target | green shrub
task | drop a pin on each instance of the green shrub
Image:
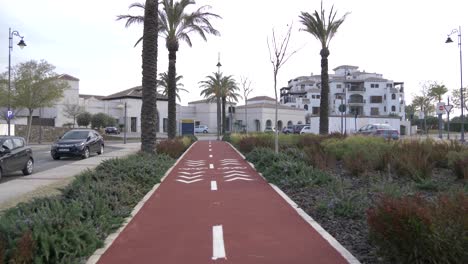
(171, 147)
(413, 159)
(413, 230)
(458, 161)
(248, 143)
(68, 228)
(286, 169)
(359, 153)
(227, 137)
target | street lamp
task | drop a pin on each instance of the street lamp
(124, 106)
(462, 102)
(218, 105)
(21, 44)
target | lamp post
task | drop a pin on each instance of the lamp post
(124, 106)
(462, 102)
(218, 105)
(21, 44)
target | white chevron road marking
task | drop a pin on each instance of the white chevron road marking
(236, 174)
(191, 173)
(233, 171)
(190, 177)
(239, 178)
(188, 182)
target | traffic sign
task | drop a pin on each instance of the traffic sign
(448, 108)
(342, 108)
(9, 114)
(440, 108)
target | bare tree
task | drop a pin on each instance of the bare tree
(72, 111)
(245, 82)
(278, 50)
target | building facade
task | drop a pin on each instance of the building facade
(362, 93)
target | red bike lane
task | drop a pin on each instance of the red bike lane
(213, 207)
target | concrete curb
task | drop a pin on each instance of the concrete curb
(111, 238)
(325, 235)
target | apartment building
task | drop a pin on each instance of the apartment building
(367, 94)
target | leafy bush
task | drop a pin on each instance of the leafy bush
(173, 147)
(359, 153)
(413, 230)
(458, 161)
(84, 119)
(286, 170)
(247, 144)
(413, 159)
(70, 227)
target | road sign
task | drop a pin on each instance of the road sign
(440, 108)
(448, 108)
(342, 108)
(10, 114)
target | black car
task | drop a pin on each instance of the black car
(297, 128)
(112, 130)
(78, 142)
(15, 155)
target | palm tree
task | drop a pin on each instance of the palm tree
(149, 80)
(175, 25)
(163, 81)
(228, 94)
(424, 105)
(436, 91)
(212, 91)
(324, 31)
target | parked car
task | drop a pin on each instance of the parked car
(288, 130)
(379, 130)
(297, 128)
(15, 156)
(269, 129)
(112, 130)
(78, 142)
(201, 129)
(306, 130)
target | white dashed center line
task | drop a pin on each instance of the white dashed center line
(211, 156)
(214, 186)
(211, 166)
(218, 243)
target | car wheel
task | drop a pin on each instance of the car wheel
(85, 153)
(101, 150)
(56, 157)
(29, 167)
(205, 131)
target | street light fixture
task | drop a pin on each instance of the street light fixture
(462, 102)
(21, 44)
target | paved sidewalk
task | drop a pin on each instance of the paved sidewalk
(214, 207)
(14, 189)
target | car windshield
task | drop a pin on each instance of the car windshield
(383, 126)
(76, 135)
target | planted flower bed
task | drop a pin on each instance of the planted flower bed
(386, 202)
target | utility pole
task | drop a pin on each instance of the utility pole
(218, 104)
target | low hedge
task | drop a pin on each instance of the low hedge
(68, 228)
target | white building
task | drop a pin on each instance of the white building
(367, 94)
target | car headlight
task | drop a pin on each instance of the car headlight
(80, 144)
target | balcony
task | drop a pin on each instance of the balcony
(356, 88)
(353, 101)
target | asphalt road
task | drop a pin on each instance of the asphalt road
(43, 161)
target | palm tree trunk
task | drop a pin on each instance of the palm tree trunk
(149, 65)
(323, 126)
(171, 94)
(223, 107)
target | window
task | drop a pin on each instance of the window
(338, 86)
(374, 111)
(393, 108)
(393, 96)
(318, 96)
(306, 107)
(19, 143)
(8, 144)
(165, 124)
(389, 85)
(385, 109)
(385, 97)
(315, 110)
(376, 99)
(374, 85)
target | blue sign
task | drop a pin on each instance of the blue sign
(10, 114)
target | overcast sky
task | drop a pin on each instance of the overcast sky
(403, 40)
